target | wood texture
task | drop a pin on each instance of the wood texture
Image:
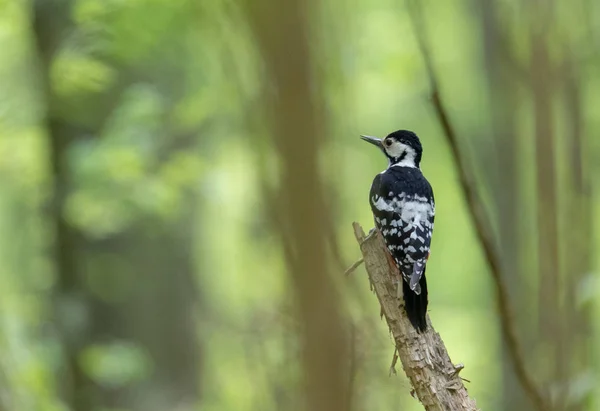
(424, 357)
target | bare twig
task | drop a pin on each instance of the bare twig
(394, 358)
(353, 267)
(424, 357)
(481, 221)
(458, 368)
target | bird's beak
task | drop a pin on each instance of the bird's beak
(373, 140)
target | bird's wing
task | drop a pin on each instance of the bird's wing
(404, 213)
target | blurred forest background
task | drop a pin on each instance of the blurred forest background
(179, 178)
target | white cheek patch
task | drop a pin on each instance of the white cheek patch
(396, 149)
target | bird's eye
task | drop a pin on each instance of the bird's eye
(388, 143)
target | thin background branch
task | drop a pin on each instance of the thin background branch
(480, 218)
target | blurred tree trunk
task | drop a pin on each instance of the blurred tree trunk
(578, 239)
(551, 304)
(50, 24)
(501, 82)
(70, 299)
(548, 252)
(562, 332)
(564, 322)
(157, 314)
(283, 34)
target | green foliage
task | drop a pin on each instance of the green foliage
(74, 74)
(116, 364)
(165, 100)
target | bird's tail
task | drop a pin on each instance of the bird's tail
(415, 304)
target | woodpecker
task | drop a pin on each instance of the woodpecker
(403, 206)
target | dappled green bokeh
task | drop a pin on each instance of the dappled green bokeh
(167, 173)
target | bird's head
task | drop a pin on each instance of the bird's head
(401, 147)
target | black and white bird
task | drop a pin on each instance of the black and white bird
(402, 202)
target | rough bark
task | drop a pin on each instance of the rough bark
(425, 360)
